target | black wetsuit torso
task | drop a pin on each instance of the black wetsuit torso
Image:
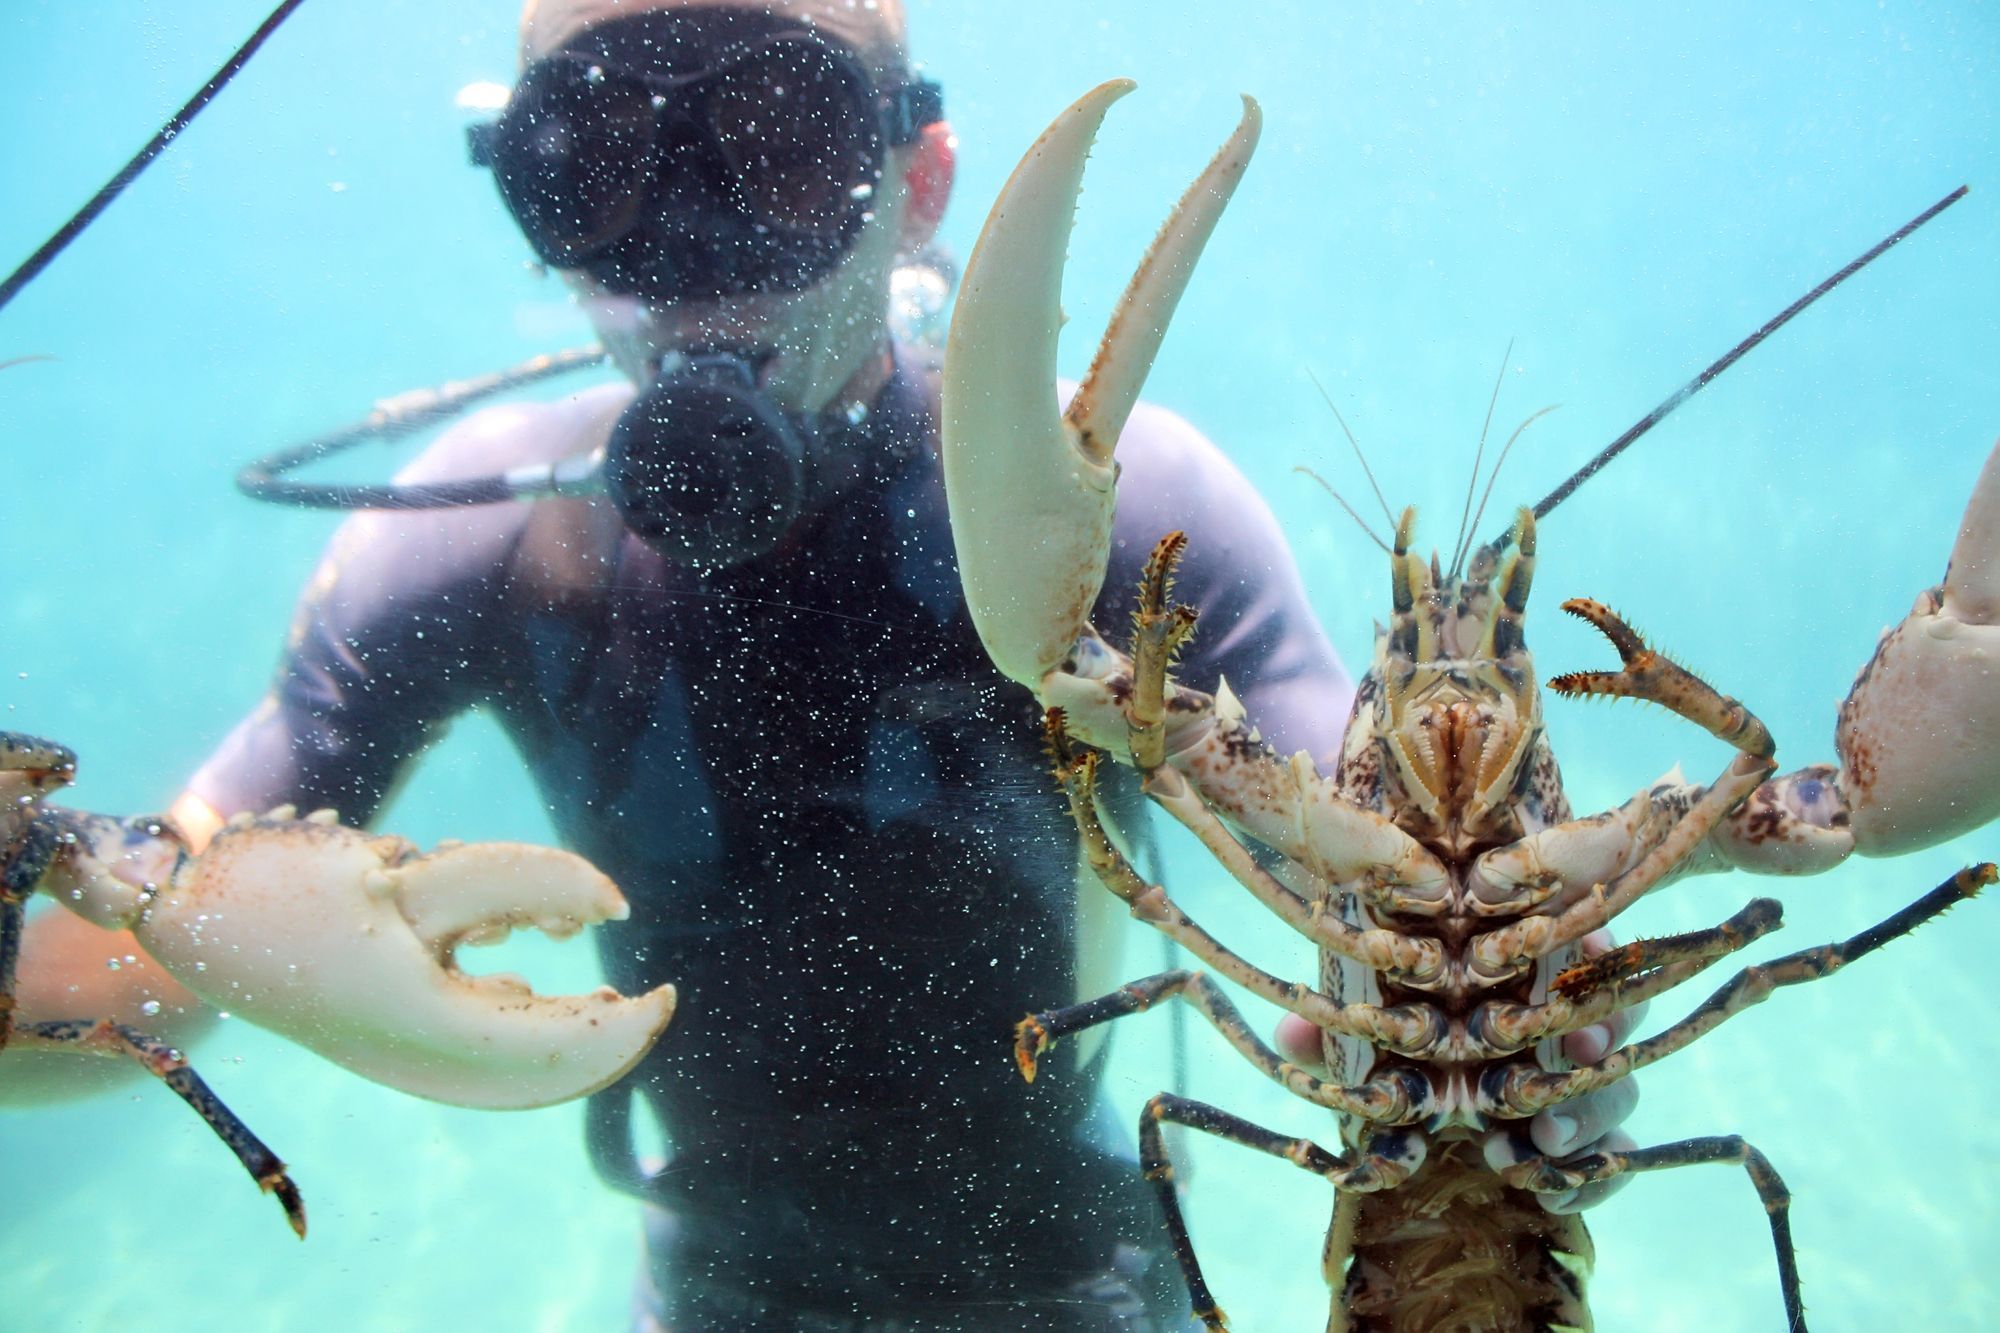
(840, 842)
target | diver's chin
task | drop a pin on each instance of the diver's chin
(761, 359)
(644, 342)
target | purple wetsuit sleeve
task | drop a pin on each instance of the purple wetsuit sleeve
(393, 635)
(1256, 627)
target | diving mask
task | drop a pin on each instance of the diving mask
(686, 168)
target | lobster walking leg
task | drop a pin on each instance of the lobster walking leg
(1545, 1177)
(1641, 957)
(1644, 675)
(1414, 960)
(1387, 1162)
(1149, 902)
(1394, 1098)
(166, 1064)
(1592, 991)
(1523, 1091)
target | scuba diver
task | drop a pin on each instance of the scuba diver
(744, 681)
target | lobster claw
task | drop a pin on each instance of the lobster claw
(1919, 734)
(1031, 489)
(343, 941)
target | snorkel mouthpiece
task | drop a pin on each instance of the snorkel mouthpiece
(705, 467)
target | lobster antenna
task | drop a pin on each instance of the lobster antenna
(1354, 444)
(1465, 526)
(1699, 382)
(156, 145)
(1497, 464)
(1343, 504)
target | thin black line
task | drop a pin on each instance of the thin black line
(84, 216)
(1688, 390)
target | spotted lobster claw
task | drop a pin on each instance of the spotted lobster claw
(1919, 734)
(343, 941)
(1031, 489)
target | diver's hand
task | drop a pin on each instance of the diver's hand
(1575, 1127)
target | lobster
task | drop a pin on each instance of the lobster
(343, 940)
(1439, 871)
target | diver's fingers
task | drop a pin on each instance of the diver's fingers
(1565, 1129)
(1298, 1041)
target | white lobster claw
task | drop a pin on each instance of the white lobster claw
(1031, 489)
(344, 942)
(1919, 735)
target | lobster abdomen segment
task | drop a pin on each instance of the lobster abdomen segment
(1453, 1250)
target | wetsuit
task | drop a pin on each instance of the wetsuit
(839, 840)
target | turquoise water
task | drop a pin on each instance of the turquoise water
(1624, 193)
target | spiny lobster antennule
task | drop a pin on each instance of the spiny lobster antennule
(1408, 583)
(1521, 573)
(1402, 597)
(1504, 633)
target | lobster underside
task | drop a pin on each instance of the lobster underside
(1453, 1248)
(1439, 871)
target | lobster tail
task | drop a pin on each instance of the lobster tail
(1455, 1251)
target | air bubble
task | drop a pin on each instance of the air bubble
(150, 1008)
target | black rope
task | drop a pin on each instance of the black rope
(1699, 382)
(84, 216)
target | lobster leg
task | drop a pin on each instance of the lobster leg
(1393, 1099)
(1390, 1159)
(1150, 903)
(1546, 1177)
(28, 860)
(1523, 1090)
(166, 1064)
(1592, 991)
(1410, 960)
(1644, 675)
